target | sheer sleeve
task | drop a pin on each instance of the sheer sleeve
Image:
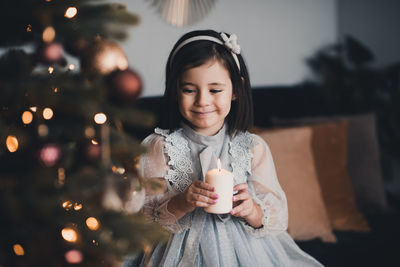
(154, 165)
(266, 190)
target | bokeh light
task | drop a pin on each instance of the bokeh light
(77, 206)
(48, 113)
(43, 130)
(48, 34)
(92, 223)
(71, 12)
(94, 142)
(61, 176)
(69, 235)
(18, 250)
(100, 118)
(89, 132)
(27, 117)
(12, 143)
(67, 205)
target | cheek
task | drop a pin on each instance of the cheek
(226, 106)
(183, 104)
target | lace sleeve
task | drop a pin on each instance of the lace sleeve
(266, 191)
(154, 165)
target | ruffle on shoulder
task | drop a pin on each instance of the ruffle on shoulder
(240, 151)
(177, 149)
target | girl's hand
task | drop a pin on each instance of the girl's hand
(244, 206)
(199, 194)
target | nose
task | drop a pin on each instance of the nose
(202, 98)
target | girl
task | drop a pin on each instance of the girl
(210, 109)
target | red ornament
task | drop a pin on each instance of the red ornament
(124, 85)
(93, 152)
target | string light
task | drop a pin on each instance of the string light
(100, 118)
(49, 34)
(33, 109)
(51, 70)
(61, 176)
(67, 205)
(47, 113)
(69, 235)
(92, 223)
(12, 143)
(29, 28)
(43, 130)
(118, 170)
(94, 142)
(18, 250)
(77, 206)
(27, 117)
(55, 90)
(71, 12)
(71, 67)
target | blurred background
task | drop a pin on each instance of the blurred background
(276, 36)
(80, 88)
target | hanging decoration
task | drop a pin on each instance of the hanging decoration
(181, 13)
(124, 85)
(103, 57)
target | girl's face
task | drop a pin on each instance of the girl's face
(204, 96)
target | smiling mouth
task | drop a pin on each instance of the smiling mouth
(202, 113)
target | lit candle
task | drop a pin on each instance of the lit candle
(222, 180)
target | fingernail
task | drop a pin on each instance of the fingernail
(213, 189)
(214, 201)
(232, 212)
(234, 198)
(216, 196)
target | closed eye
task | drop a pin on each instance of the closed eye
(215, 91)
(187, 90)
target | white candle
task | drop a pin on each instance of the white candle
(222, 180)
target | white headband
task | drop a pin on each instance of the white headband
(230, 43)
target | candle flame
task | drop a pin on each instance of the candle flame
(219, 164)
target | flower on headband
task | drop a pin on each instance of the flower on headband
(231, 43)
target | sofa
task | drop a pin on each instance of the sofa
(328, 162)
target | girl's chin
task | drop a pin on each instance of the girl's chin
(210, 129)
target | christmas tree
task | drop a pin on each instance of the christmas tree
(69, 188)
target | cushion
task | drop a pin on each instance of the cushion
(364, 163)
(329, 145)
(363, 159)
(294, 162)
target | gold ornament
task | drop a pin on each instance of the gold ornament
(103, 57)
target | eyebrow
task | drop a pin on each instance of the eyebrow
(214, 83)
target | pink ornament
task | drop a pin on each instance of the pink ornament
(73, 256)
(49, 155)
(53, 53)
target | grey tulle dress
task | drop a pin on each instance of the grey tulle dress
(203, 239)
